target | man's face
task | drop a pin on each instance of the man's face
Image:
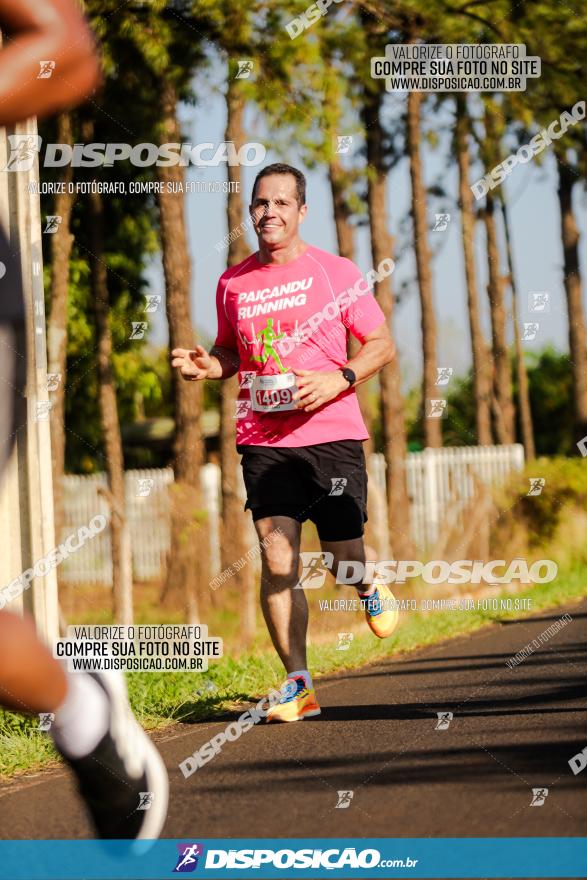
(275, 211)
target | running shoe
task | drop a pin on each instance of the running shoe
(123, 781)
(381, 611)
(298, 701)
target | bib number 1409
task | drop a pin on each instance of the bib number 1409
(273, 394)
(275, 397)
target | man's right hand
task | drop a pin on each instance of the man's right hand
(193, 364)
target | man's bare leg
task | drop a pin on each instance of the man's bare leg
(30, 679)
(285, 609)
(286, 613)
(352, 550)
(381, 610)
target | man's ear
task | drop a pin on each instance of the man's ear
(302, 213)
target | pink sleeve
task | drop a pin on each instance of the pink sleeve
(362, 314)
(225, 337)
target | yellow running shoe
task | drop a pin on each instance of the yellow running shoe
(381, 611)
(298, 701)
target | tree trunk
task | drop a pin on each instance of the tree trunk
(575, 308)
(481, 367)
(344, 230)
(346, 248)
(61, 247)
(502, 378)
(526, 426)
(121, 549)
(392, 405)
(187, 576)
(234, 522)
(432, 426)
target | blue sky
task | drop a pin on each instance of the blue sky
(531, 191)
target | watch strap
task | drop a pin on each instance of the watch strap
(349, 375)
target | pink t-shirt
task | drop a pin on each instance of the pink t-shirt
(295, 315)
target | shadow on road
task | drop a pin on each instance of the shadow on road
(541, 764)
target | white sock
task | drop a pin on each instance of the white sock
(370, 589)
(83, 718)
(305, 675)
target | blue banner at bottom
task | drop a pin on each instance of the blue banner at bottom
(366, 858)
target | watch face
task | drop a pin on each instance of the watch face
(349, 375)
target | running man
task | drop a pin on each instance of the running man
(301, 444)
(93, 728)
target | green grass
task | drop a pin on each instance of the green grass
(23, 748)
(159, 699)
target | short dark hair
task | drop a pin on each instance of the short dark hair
(281, 168)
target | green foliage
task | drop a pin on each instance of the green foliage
(551, 401)
(139, 383)
(126, 255)
(307, 92)
(540, 515)
(458, 429)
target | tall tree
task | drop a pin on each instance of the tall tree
(336, 102)
(481, 371)
(567, 177)
(525, 411)
(432, 426)
(129, 237)
(156, 47)
(337, 38)
(234, 543)
(502, 378)
(392, 405)
(187, 569)
(561, 82)
(119, 528)
(229, 24)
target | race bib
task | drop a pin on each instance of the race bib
(273, 393)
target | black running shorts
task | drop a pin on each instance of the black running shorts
(325, 483)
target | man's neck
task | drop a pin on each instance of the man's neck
(284, 254)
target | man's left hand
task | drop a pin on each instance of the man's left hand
(316, 388)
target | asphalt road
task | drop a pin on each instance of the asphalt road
(512, 730)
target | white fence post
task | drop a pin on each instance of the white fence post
(211, 485)
(27, 495)
(431, 500)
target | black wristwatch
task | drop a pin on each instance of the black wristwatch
(348, 375)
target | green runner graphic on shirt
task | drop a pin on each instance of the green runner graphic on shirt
(267, 337)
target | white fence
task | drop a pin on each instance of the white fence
(147, 508)
(440, 484)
